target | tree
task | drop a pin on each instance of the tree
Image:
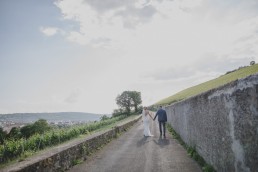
(252, 63)
(104, 117)
(136, 99)
(118, 112)
(39, 127)
(129, 99)
(124, 101)
(14, 133)
(27, 131)
(3, 135)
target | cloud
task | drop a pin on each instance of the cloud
(49, 31)
(231, 11)
(133, 16)
(163, 46)
(105, 20)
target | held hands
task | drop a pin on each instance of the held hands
(152, 117)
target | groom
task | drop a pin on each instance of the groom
(162, 118)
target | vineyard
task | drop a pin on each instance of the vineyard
(20, 148)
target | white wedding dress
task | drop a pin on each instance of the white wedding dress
(146, 124)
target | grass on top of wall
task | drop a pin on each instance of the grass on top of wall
(222, 80)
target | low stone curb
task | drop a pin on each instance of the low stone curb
(63, 157)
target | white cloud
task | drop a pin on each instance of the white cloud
(171, 25)
(162, 37)
(49, 31)
(157, 47)
(109, 20)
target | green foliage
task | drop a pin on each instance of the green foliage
(191, 151)
(27, 131)
(39, 127)
(14, 133)
(208, 168)
(176, 136)
(85, 149)
(76, 162)
(3, 136)
(222, 80)
(104, 117)
(12, 149)
(119, 112)
(140, 108)
(25, 154)
(136, 99)
(153, 108)
(124, 101)
(129, 99)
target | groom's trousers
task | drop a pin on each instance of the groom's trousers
(162, 123)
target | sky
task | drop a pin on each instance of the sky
(79, 55)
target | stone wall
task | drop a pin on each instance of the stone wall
(222, 124)
(65, 156)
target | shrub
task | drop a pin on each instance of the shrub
(14, 133)
(39, 127)
(3, 135)
(12, 149)
(104, 117)
(27, 131)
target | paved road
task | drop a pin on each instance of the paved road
(132, 152)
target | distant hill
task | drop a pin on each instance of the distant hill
(50, 117)
(222, 80)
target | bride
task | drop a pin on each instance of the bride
(146, 122)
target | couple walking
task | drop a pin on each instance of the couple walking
(162, 118)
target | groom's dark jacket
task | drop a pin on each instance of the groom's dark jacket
(162, 115)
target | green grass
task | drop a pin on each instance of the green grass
(222, 80)
(191, 151)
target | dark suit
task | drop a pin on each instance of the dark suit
(162, 118)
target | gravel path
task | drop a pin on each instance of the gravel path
(132, 152)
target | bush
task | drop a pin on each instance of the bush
(14, 133)
(27, 131)
(3, 135)
(118, 112)
(104, 117)
(39, 127)
(12, 149)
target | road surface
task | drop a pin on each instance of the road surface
(132, 152)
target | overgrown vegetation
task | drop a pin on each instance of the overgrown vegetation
(191, 151)
(38, 127)
(22, 142)
(14, 147)
(222, 80)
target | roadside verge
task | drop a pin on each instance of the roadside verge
(62, 157)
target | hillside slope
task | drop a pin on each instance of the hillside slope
(222, 80)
